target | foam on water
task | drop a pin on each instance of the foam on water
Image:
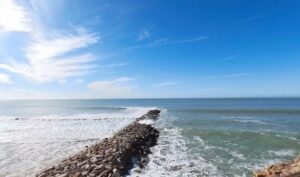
(283, 153)
(222, 138)
(32, 144)
(237, 155)
(247, 120)
(171, 157)
(146, 121)
(234, 161)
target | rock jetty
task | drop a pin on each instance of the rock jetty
(291, 169)
(112, 157)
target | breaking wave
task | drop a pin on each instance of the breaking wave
(171, 157)
(34, 143)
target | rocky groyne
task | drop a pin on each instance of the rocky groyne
(291, 169)
(112, 157)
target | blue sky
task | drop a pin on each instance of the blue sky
(149, 49)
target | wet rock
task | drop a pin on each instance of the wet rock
(62, 175)
(291, 169)
(76, 174)
(42, 175)
(79, 164)
(93, 159)
(112, 156)
(85, 173)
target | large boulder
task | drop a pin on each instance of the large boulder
(291, 169)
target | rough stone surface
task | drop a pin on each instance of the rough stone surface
(112, 156)
(291, 169)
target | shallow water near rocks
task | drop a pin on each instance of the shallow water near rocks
(199, 137)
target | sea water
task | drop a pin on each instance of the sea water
(198, 137)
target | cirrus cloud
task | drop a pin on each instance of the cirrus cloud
(4, 78)
(51, 59)
(166, 84)
(120, 87)
(13, 17)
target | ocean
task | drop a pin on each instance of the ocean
(199, 137)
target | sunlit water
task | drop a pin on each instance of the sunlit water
(199, 137)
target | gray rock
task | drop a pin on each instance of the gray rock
(81, 163)
(85, 173)
(62, 175)
(93, 159)
(42, 175)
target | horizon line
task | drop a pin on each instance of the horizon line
(257, 97)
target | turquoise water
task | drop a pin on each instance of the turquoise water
(199, 137)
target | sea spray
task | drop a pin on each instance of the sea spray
(37, 142)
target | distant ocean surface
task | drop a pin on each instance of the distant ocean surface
(199, 137)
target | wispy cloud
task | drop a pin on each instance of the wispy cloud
(161, 40)
(157, 43)
(78, 81)
(51, 59)
(112, 66)
(120, 87)
(144, 34)
(4, 78)
(165, 84)
(13, 17)
(47, 10)
(109, 68)
(165, 41)
(213, 77)
(230, 57)
(249, 19)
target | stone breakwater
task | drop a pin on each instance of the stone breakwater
(112, 157)
(291, 169)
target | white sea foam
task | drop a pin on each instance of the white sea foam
(32, 144)
(146, 121)
(171, 157)
(129, 112)
(263, 163)
(247, 120)
(199, 141)
(283, 153)
(237, 155)
(202, 144)
(251, 121)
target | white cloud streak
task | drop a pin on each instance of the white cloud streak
(13, 17)
(230, 57)
(119, 87)
(161, 40)
(166, 84)
(166, 42)
(51, 59)
(144, 34)
(249, 19)
(4, 78)
(213, 77)
(112, 65)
